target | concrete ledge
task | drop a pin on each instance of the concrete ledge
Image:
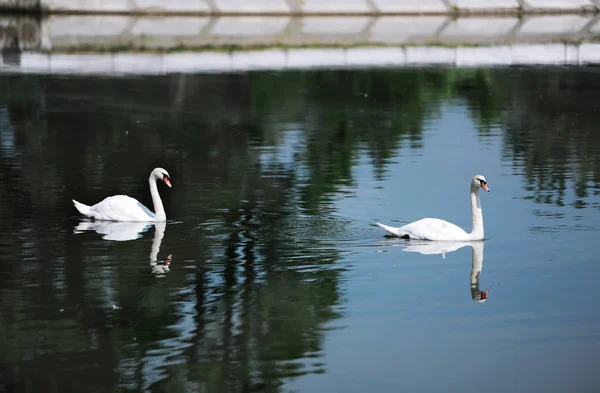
(430, 55)
(410, 6)
(123, 44)
(533, 29)
(479, 30)
(156, 45)
(483, 56)
(282, 59)
(125, 33)
(94, 33)
(554, 5)
(498, 5)
(300, 7)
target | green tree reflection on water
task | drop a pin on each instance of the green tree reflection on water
(256, 160)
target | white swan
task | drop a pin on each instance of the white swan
(124, 208)
(436, 229)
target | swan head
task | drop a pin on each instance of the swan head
(479, 182)
(161, 174)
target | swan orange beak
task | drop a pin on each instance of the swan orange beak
(167, 181)
(485, 187)
(484, 295)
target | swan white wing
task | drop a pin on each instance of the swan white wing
(433, 229)
(429, 229)
(121, 208)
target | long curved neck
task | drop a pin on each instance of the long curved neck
(159, 210)
(477, 214)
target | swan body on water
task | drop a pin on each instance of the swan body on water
(441, 230)
(125, 208)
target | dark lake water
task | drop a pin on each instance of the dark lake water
(270, 275)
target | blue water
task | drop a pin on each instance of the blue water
(270, 274)
(411, 323)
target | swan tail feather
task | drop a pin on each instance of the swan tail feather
(83, 209)
(391, 230)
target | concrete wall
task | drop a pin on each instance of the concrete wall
(155, 45)
(129, 33)
(282, 59)
(219, 7)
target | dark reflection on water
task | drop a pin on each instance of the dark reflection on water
(238, 290)
(549, 119)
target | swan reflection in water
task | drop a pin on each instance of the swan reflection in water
(124, 231)
(160, 270)
(430, 248)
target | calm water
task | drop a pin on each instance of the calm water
(270, 275)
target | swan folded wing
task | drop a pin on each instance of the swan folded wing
(146, 211)
(434, 229)
(121, 208)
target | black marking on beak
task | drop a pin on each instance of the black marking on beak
(483, 185)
